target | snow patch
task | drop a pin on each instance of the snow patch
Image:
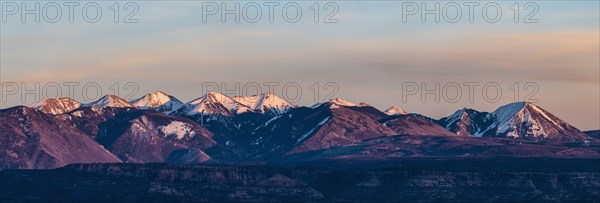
(312, 130)
(268, 122)
(179, 129)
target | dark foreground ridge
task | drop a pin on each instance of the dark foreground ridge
(402, 180)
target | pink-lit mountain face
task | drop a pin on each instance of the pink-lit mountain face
(217, 128)
(56, 105)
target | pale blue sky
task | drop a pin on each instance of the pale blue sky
(369, 54)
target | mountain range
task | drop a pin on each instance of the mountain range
(265, 128)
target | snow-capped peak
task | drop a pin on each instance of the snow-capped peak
(109, 101)
(524, 119)
(395, 110)
(266, 102)
(158, 101)
(56, 105)
(341, 102)
(215, 103)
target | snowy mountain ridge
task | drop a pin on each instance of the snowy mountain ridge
(109, 100)
(266, 102)
(514, 120)
(215, 103)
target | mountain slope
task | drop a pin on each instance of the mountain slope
(230, 120)
(323, 126)
(158, 101)
(89, 119)
(370, 111)
(414, 124)
(141, 136)
(34, 140)
(56, 105)
(593, 133)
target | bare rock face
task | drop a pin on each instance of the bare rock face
(31, 139)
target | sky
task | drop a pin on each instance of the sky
(371, 54)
